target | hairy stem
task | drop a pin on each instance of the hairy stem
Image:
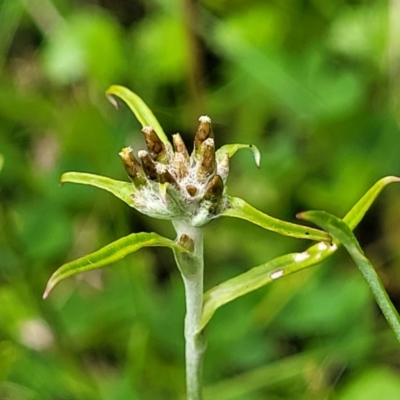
(191, 268)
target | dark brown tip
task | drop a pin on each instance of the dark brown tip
(148, 164)
(215, 189)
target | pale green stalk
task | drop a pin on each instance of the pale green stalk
(191, 267)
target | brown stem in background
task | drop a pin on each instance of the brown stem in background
(195, 71)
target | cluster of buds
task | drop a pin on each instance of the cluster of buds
(171, 184)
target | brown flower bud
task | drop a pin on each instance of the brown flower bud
(204, 131)
(207, 159)
(154, 144)
(215, 189)
(186, 242)
(166, 176)
(132, 166)
(179, 145)
(180, 160)
(149, 166)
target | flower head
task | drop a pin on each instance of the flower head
(171, 184)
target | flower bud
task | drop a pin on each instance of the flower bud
(215, 189)
(180, 162)
(186, 242)
(204, 131)
(154, 144)
(179, 145)
(207, 159)
(165, 176)
(149, 166)
(132, 166)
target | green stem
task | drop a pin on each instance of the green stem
(192, 270)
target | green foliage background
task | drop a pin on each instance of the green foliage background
(314, 84)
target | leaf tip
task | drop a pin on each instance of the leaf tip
(300, 215)
(52, 282)
(64, 178)
(256, 155)
(112, 100)
(110, 92)
(47, 292)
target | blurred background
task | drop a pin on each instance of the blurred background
(314, 84)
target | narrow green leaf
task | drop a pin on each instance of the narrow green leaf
(109, 254)
(355, 215)
(260, 276)
(142, 112)
(238, 208)
(122, 190)
(287, 264)
(342, 233)
(231, 149)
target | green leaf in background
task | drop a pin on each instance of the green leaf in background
(148, 49)
(122, 190)
(288, 264)
(71, 54)
(343, 234)
(231, 149)
(8, 355)
(238, 208)
(377, 382)
(109, 254)
(142, 112)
